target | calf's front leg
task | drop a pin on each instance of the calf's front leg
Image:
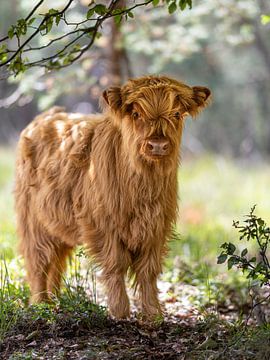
(115, 260)
(118, 301)
(147, 268)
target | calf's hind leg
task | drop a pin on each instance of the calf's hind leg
(37, 248)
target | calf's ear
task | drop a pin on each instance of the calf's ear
(200, 99)
(113, 98)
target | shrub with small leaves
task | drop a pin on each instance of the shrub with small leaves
(256, 268)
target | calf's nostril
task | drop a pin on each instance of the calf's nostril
(165, 146)
(150, 146)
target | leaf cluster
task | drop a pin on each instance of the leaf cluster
(256, 230)
(182, 4)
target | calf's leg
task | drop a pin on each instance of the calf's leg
(147, 267)
(37, 277)
(57, 268)
(118, 301)
(37, 248)
(115, 263)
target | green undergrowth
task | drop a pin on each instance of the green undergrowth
(211, 335)
(215, 334)
(74, 308)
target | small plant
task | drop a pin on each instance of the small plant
(78, 301)
(10, 307)
(256, 267)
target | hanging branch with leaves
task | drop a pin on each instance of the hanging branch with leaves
(75, 38)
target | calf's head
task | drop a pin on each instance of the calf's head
(150, 113)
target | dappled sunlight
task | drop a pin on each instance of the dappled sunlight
(30, 130)
(60, 128)
(75, 132)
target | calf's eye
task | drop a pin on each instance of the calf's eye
(135, 115)
(177, 115)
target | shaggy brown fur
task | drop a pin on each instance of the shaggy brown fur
(107, 181)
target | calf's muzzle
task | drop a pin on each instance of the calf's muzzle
(158, 147)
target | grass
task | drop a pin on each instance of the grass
(214, 191)
(72, 308)
(7, 218)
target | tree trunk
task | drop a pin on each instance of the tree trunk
(119, 68)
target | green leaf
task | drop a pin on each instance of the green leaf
(21, 27)
(3, 56)
(259, 267)
(155, 2)
(244, 252)
(11, 32)
(49, 25)
(57, 19)
(232, 261)
(261, 222)
(172, 8)
(130, 14)
(221, 258)
(67, 60)
(17, 66)
(76, 48)
(100, 9)
(231, 249)
(182, 4)
(117, 19)
(224, 245)
(30, 21)
(90, 13)
(3, 48)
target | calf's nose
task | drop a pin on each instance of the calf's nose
(158, 146)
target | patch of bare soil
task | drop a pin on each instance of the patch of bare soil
(132, 339)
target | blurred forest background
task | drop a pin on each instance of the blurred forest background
(220, 44)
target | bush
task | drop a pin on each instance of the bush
(255, 267)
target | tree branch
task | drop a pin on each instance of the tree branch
(34, 10)
(20, 48)
(14, 61)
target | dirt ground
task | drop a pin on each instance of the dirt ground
(185, 334)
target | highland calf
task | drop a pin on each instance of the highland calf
(108, 181)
